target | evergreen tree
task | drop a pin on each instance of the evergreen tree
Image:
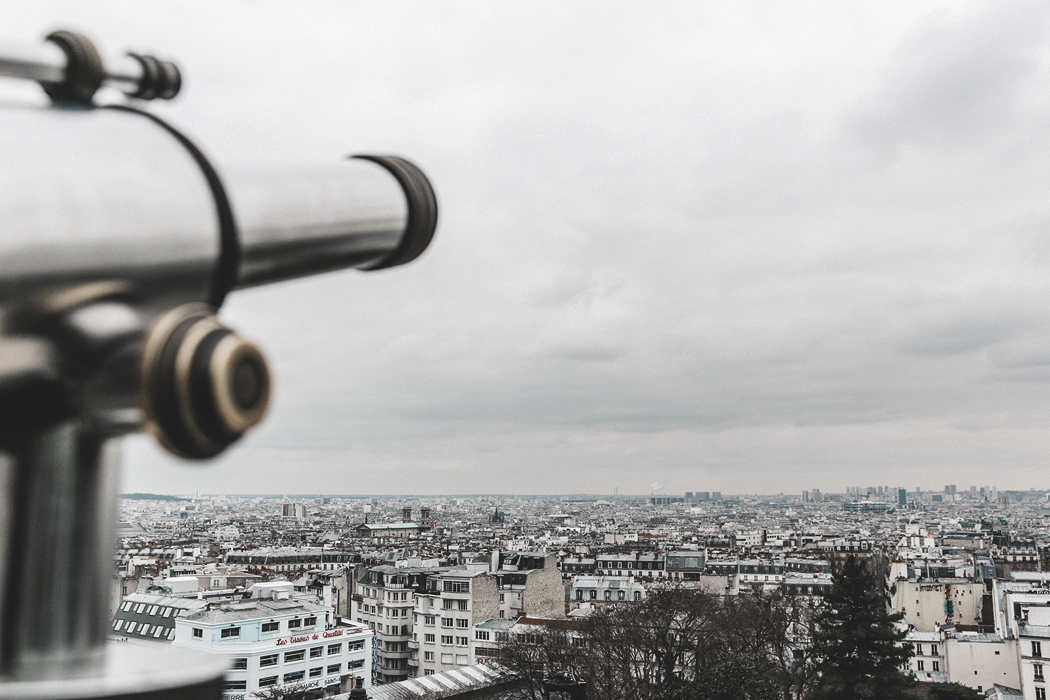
(858, 650)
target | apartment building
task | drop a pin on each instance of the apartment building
(275, 640)
(384, 600)
(601, 590)
(445, 618)
(294, 559)
(425, 617)
(929, 604)
(633, 564)
(149, 617)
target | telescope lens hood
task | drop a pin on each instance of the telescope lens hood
(203, 386)
(422, 210)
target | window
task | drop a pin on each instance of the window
(126, 606)
(481, 635)
(291, 656)
(622, 595)
(462, 641)
(428, 638)
(447, 604)
(933, 650)
(428, 620)
(239, 664)
(316, 652)
(310, 621)
(334, 649)
(608, 595)
(355, 663)
(446, 639)
(638, 595)
(446, 622)
(268, 660)
(355, 646)
(462, 604)
(594, 595)
(295, 624)
(230, 632)
(271, 627)
(428, 672)
(428, 656)
(334, 668)
(236, 685)
(579, 595)
(159, 631)
(198, 633)
(1040, 694)
(268, 681)
(457, 586)
(118, 624)
(294, 676)
(462, 624)
(920, 666)
(315, 672)
(918, 650)
(1037, 649)
(1038, 668)
(936, 666)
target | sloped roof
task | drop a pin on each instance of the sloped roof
(447, 684)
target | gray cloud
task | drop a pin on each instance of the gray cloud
(727, 248)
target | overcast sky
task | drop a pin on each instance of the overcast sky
(724, 247)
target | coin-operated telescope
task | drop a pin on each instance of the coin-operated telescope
(119, 240)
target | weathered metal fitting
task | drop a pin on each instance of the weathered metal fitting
(203, 386)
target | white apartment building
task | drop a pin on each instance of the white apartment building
(384, 601)
(605, 590)
(274, 639)
(425, 617)
(930, 603)
(445, 617)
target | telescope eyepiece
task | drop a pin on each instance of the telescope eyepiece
(203, 386)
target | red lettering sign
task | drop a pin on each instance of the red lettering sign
(333, 633)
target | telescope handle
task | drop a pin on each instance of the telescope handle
(70, 69)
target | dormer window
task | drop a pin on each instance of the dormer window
(295, 624)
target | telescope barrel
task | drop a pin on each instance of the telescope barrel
(349, 213)
(113, 195)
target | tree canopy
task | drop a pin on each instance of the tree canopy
(858, 649)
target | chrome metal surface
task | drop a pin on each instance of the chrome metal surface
(97, 196)
(43, 62)
(46, 63)
(110, 220)
(139, 671)
(301, 221)
(59, 511)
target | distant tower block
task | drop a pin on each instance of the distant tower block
(406, 514)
